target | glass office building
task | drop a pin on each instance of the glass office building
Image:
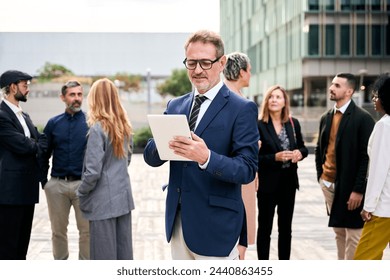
(302, 44)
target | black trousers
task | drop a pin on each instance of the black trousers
(284, 200)
(15, 231)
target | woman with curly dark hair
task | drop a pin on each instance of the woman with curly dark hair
(376, 211)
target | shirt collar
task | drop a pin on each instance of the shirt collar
(211, 93)
(343, 108)
(75, 115)
(14, 108)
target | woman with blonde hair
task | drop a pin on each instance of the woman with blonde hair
(105, 192)
(282, 147)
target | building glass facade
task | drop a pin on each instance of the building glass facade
(302, 44)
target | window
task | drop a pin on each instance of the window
(329, 40)
(344, 40)
(313, 40)
(253, 58)
(388, 38)
(376, 40)
(329, 5)
(358, 5)
(260, 55)
(360, 40)
(375, 5)
(345, 5)
(314, 5)
(318, 90)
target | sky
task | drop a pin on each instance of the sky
(109, 15)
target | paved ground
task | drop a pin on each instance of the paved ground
(312, 239)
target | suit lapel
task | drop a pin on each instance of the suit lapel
(12, 116)
(30, 126)
(290, 135)
(220, 100)
(272, 132)
(186, 105)
(344, 121)
(328, 125)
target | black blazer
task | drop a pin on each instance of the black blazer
(19, 168)
(351, 160)
(269, 169)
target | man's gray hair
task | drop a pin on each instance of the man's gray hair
(69, 84)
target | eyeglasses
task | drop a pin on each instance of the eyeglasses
(205, 64)
(374, 97)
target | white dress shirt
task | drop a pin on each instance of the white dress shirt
(203, 108)
(210, 94)
(18, 112)
(377, 199)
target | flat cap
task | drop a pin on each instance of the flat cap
(13, 76)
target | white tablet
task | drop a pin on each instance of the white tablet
(164, 128)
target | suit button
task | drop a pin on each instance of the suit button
(178, 190)
(185, 165)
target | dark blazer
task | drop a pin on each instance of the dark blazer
(270, 170)
(212, 210)
(19, 169)
(351, 161)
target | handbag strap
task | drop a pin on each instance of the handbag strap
(293, 127)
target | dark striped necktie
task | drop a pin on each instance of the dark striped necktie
(199, 99)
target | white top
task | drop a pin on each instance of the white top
(377, 199)
(210, 94)
(18, 112)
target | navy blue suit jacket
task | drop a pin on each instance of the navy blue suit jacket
(212, 210)
(19, 166)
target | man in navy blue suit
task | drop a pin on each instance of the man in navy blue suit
(204, 209)
(21, 151)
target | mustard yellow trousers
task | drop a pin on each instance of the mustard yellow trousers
(375, 237)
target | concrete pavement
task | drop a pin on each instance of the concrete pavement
(312, 239)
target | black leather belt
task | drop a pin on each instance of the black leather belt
(69, 178)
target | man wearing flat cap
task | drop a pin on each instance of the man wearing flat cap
(21, 151)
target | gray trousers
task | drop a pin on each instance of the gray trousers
(111, 239)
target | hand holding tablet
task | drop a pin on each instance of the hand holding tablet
(164, 128)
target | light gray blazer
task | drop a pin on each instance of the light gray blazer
(105, 190)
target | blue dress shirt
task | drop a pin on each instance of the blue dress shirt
(67, 138)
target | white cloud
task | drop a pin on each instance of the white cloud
(109, 15)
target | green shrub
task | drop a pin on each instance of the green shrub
(40, 128)
(141, 137)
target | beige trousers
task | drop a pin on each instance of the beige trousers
(346, 238)
(61, 196)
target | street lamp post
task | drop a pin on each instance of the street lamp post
(361, 73)
(148, 82)
(118, 85)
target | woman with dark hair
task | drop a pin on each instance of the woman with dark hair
(282, 146)
(237, 74)
(376, 210)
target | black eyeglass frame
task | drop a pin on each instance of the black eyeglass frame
(199, 61)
